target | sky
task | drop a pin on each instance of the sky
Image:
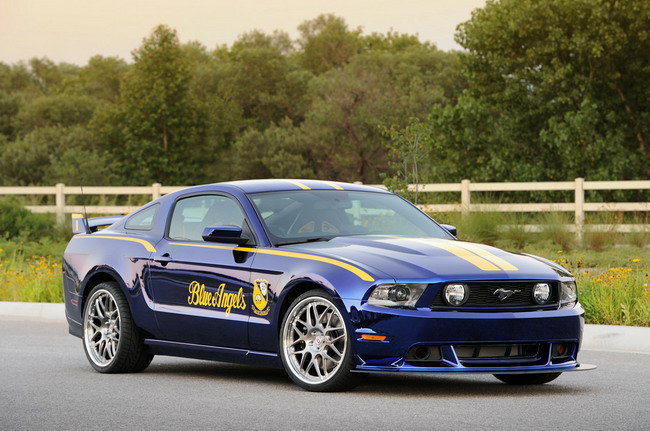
(75, 30)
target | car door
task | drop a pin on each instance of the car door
(201, 290)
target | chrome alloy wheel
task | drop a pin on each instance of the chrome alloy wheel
(102, 328)
(314, 340)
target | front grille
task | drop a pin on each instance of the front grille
(482, 295)
(486, 354)
(496, 351)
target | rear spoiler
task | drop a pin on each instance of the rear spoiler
(81, 224)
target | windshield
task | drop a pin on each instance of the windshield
(313, 215)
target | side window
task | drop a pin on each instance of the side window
(142, 220)
(192, 215)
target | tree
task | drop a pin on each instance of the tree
(159, 127)
(100, 79)
(409, 150)
(265, 83)
(56, 110)
(376, 88)
(277, 152)
(557, 91)
(54, 154)
(327, 43)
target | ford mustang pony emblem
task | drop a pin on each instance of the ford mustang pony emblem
(504, 294)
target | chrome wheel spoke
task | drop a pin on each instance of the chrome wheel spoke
(317, 367)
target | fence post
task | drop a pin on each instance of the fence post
(579, 207)
(60, 203)
(465, 199)
(155, 191)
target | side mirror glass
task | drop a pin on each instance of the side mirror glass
(227, 234)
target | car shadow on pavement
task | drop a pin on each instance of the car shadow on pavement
(374, 385)
(220, 371)
(461, 386)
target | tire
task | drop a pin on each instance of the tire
(110, 338)
(527, 379)
(315, 346)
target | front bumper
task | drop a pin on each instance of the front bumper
(529, 341)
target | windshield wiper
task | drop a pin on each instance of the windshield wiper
(304, 240)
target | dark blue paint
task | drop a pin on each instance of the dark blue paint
(156, 287)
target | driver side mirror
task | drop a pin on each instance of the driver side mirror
(451, 229)
(227, 234)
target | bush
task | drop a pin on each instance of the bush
(17, 222)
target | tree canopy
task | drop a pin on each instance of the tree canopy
(558, 90)
(544, 90)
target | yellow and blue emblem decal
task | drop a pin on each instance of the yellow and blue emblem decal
(261, 305)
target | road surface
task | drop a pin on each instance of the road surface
(46, 383)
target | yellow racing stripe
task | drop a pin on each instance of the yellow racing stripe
(146, 244)
(467, 255)
(353, 269)
(504, 264)
(336, 186)
(452, 248)
(296, 183)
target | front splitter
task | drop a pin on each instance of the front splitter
(478, 370)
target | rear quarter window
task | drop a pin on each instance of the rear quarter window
(143, 219)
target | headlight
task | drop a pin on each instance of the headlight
(568, 294)
(455, 294)
(396, 295)
(541, 293)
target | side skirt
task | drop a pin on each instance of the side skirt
(213, 353)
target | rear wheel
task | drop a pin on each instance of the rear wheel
(527, 379)
(315, 345)
(111, 340)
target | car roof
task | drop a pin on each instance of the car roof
(276, 185)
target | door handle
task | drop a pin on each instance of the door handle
(164, 259)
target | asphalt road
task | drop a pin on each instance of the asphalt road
(46, 383)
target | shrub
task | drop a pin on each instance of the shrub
(17, 222)
(555, 230)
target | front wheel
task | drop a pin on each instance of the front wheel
(527, 379)
(315, 345)
(111, 340)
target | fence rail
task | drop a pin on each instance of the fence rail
(579, 207)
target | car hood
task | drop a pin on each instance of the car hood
(429, 258)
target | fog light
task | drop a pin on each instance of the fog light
(562, 350)
(541, 293)
(455, 294)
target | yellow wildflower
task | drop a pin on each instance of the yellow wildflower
(635, 260)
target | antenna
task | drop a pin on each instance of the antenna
(83, 202)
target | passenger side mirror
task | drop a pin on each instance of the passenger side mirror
(451, 229)
(227, 234)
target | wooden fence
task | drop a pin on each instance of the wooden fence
(465, 188)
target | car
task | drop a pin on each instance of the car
(328, 280)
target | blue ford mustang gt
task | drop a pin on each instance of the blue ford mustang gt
(331, 281)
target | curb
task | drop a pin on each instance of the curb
(33, 310)
(609, 338)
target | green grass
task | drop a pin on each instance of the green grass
(31, 271)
